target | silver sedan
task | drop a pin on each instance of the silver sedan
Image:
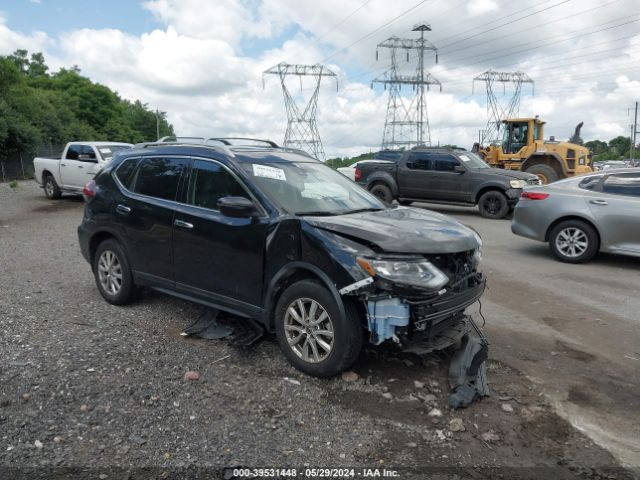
(583, 215)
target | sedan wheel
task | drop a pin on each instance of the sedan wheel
(309, 330)
(573, 241)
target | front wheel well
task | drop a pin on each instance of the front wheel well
(568, 218)
(484, 190)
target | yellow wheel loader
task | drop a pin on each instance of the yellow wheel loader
(523, 148)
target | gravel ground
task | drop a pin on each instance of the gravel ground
(91, 390)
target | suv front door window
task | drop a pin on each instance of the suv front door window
(214, 256)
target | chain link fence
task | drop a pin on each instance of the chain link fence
(19, 165)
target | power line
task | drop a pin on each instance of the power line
(503, 24)
(374, 31)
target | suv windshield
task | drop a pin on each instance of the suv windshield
(471, 160)
(305, 188)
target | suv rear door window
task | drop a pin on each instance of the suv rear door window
(443, 162)
(159, 177)
(622, 184)
(210, 182)
(419, 161)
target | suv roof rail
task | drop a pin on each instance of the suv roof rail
(227, 141)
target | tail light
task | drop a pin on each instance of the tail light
(89, 190)
(534, 195)
(358, 174)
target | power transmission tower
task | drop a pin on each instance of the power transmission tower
(634, 133)
(302, 129)
(407, 126)
(497, 110)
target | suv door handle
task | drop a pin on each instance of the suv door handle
(183, 224)
(123, 209)
(63, 164)
(598, 202)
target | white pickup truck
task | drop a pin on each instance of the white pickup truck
(79, 163)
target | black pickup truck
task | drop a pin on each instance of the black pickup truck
(444, 175)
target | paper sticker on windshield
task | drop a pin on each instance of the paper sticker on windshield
(105, 150)
(464, 158)
(269, 172)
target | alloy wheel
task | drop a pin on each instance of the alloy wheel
(110, 272)
(572, 242)
(309, 330)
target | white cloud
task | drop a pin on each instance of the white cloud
(11, 40)
(480, 7)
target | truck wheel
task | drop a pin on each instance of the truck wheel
(51, 189)
(113, 274)
(573, 241)
(312, 335)
(383, 192)
(545, 173)
(493, 204)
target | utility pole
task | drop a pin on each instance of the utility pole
(634, 133)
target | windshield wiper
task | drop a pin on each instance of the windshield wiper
(360, 210)
(318, 213)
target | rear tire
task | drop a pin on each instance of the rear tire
(113, 274)
(51, 189)
(383, 192)
(574, 241)
(545, 173)
(493, 204)
(311, 332)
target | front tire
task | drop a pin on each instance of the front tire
(383, 192)
(493, 204)
(311, 332)
(113, 274)
(51, 189)
(573, 241)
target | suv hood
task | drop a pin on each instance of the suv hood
(516, 174)
(402, 230)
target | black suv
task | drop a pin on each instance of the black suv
(274, 237)
(444, 175)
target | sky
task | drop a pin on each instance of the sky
(201, 61)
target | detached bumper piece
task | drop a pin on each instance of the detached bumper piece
(467, 370)
(239, 331)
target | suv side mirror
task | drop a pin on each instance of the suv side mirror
(459, 169)
(237, 207)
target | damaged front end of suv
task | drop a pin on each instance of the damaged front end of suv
(415, 296)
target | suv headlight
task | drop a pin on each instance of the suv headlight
(410, 271)
(518, 183)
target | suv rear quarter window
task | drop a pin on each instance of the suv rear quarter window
(159, 177)
(125, 171)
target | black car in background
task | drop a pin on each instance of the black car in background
(445, 175)
(272, 236)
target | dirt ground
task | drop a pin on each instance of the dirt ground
(91, 390)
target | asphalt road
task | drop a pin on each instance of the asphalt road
(86, 384)
(572, 329)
